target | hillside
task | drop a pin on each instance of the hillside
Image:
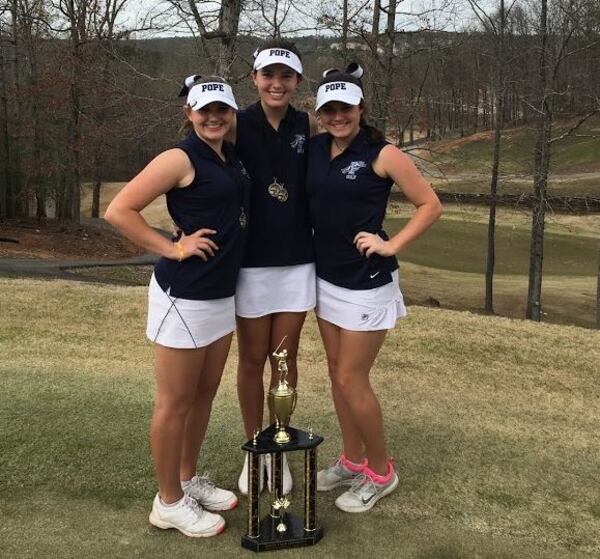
(464, 164)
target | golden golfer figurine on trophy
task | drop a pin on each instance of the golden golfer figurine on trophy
(281, 529)
(282, 399)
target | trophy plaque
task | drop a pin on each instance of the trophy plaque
(281, 529)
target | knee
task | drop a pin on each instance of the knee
(344, 382)
(169, 407)
(252, 362)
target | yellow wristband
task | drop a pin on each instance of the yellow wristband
(180, 251)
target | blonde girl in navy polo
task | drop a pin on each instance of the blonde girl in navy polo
(350, 173)
(191, 311)
(277, 281)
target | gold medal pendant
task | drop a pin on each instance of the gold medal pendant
(277, 190)
(243, 218)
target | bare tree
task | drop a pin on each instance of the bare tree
(494, 25)
(598, 293)
(106, 34)
(554, 49)
(214, 21)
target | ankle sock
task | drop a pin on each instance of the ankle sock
(353, 466)
(170, 505)
(378, 479)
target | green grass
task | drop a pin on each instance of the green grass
(464, 164)
(587, 185)
(493, 423)
(461, 246)
(448, 263)
(568, 156)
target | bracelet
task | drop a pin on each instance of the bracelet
(180, 251)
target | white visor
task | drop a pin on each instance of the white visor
(202, 94)
(344, 92)
(278, 56)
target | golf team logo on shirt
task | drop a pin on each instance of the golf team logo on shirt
(243, 219)
(298, 143)
(352, 169)
(243, 170)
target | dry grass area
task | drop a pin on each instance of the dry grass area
(582, 225)
(493, 423)
(156, 213)
(565, 300)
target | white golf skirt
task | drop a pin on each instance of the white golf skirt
(263, 291)
(187, 323)
(361, 309)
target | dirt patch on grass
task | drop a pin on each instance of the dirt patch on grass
(446, 146)
(57, 241)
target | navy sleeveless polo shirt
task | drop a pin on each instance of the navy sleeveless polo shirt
(217, 198)
(280, 232)
(346, 196)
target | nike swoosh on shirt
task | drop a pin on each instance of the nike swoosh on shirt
(373, 275)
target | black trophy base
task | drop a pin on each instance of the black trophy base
(270, 539)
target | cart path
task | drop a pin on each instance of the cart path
(59, 269)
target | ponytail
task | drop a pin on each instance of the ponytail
(374, 135)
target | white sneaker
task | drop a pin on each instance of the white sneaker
(208, 495)
(364, 493)
(243, 479)
(287, 475)
(335, 476)
(186, 516)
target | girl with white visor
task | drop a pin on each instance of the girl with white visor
(191, 311)
(350, 173)
(277, 280)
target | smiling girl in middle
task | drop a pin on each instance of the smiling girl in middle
(277, 282)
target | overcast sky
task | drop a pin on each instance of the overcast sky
(449, 15)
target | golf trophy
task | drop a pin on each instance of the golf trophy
(281, 529)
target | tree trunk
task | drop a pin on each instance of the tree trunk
(229, 19)
(345, 32)
(598, 293)
(96, 187)
(17, 207)
(72, 207)
(374, 68)
(542, 162)
(388, 76)
(6, 180)
(499, 91)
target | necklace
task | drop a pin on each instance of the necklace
(277, 147)
(340, 149)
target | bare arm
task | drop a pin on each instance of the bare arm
(396, 165)
(170, 169)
